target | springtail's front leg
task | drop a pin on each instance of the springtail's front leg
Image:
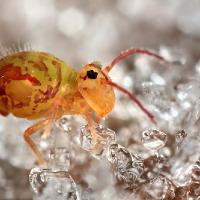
(91, 126)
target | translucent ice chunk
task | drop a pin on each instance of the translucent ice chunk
(53, 185)
(127, 167)
(119, 155)
(154, 139)
(98, 145)
(59, 159)
(36, 179)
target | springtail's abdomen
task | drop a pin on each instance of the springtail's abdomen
(30, 81)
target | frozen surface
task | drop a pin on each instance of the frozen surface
(131, 158)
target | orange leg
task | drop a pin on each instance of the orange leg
(97, 119)
(96, 138)
(30, 131)
(53, 112)
(91, 125)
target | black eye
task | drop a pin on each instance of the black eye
(92, 74)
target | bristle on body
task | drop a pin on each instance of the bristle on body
(6, 50)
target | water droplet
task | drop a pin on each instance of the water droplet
(59, 159)
(97, 146)
(180, 136)
(154, 139)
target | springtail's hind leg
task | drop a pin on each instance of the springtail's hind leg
(47, 131)
(30, 131)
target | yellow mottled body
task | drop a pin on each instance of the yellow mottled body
(34, 83)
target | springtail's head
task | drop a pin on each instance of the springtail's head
(97, 88)
(92, 84)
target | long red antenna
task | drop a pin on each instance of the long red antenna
(133, 98)
(131, 52)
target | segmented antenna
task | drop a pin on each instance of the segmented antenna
(133, 51)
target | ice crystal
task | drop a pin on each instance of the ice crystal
(53, 185)
(127, 167)
(59, 159)
(154, 139)
(98, 145)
